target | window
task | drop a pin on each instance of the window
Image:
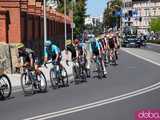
(146, 12)
(154, 11)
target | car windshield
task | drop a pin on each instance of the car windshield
(131, 37)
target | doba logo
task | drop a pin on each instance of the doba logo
(148, 115)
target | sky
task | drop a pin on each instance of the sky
(96, 7)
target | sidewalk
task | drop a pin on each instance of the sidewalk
(15, 78)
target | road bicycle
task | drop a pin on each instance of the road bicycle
(113, 57)
(82, 68)
(5, 86)
(79, 69)
(76, 72)
(58, 75)
(32, 81)
(99, 67)
(5, 83)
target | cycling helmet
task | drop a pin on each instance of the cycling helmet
(92, 40)
(48, 43)
(76, 41)
(19, 45)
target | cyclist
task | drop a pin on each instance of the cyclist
(52, 52)
(80, 51)
(26, 57)
(101, 45)
(117, 43)
(72, 49)
(112, 46)
(104, 43)
(97, 52)
(80, 48)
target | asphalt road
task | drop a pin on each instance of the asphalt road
(131, 74)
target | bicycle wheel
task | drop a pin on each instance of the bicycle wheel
(42, 82)
(27, 84)
(64, 76)
(114, 60)
(99, 71)
(5, 86)
(76, 74)
(83, 74)
(88, 71)
(53, 79)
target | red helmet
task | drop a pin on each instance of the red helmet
(76, 41)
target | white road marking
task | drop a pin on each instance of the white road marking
(95, 104)
(125, 50)
(141, 57)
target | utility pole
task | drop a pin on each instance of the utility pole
(73, 2)
(45, 23)
(122, 21)
(45, 20)
(150, 8)
(65, 21)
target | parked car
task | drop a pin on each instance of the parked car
(130, 41)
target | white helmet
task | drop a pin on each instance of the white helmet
(48, 43)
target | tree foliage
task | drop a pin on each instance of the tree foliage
(155, 24)
(79, 13)
(109, 19)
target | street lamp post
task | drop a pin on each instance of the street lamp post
(45, 22)
(73, 2)
(65, 21)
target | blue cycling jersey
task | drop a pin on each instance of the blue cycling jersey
(52, 50)
(95, 46)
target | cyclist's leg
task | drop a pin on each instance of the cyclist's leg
(36, 66)
(116, 53)
(103, 66)
(110, 55)
(88, 57)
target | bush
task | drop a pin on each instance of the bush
(154, 41)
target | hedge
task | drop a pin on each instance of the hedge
(154, 41)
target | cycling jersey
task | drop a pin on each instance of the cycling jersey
(72, 49)
(95, 46)
(81, 48)
(111, 43)
(101, 46)
(26, 55)
(51, 51)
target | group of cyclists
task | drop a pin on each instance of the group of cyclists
(103, 48)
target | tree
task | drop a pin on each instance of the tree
(155, 24)
(79, 13)
(79, 16)
(109, 18)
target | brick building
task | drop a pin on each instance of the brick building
(22, 21)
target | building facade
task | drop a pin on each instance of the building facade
(93, 20)
(146, 10)
(22, 21)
